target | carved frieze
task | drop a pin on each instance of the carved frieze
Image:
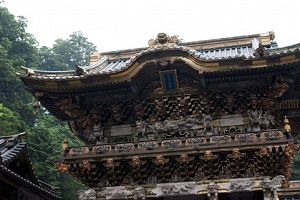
(89, 194)
(116, 193)
(171, 189)
(240, 185)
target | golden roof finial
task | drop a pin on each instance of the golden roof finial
(65, 144)
(287, 126)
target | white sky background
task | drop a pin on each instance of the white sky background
(123, 24)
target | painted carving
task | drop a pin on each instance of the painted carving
(135, 161)
(61, 166)
(111, 164)
(85, 165)
(139, 193)
(116, 193)
(264, 151)
(184, 158)
(171, 189)
(163, 39)
(271, 135)
(220, 139)
(208, 156)
(212, 191)
(246, 137)
(236, 154)
(89, 194)
(101, 148)
(79, 150)
(160, 160)
(171, 143)
(148, 145)
(195, 141)
(124, 147)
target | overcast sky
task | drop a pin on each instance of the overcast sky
(122, 24)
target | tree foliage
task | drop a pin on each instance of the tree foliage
(17, 48)
(66, 53)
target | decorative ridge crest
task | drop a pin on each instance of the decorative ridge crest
(162, 39)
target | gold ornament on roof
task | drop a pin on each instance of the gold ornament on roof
(287, 127)
(65, 144)
(163, 39)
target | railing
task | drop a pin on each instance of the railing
(181, 143)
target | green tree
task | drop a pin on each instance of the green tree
(16, 48)
(66, 54)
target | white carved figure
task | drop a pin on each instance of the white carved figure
(212, 191)
(89, 194)
(270, 187)
(260, 120)
(139, 193)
